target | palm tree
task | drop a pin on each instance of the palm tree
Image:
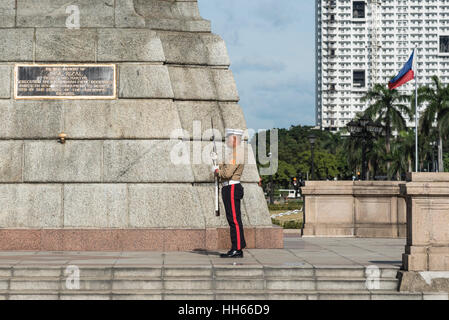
(332, 142)
(437, 110)
(388, 108)
(402, 154)
(353, 153)
(376, 156)
(374, 151)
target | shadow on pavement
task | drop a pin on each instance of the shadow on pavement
(206, 252)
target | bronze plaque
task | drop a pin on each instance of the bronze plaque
(55, 81)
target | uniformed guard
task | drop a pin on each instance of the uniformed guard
(232, 192)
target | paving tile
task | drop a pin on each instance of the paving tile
(95, 254)
(299, 251)
(139, 261)
(41, 264)
(8, 262)
(152, 255)
(17, 253)
(318, 262)
(92, 262)
(235, 263)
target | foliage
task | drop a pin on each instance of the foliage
(289, 224)
(295, 156)
(292, 205)
(403, 151)
(435, 119)
(325, 164)
(437, 98)
(390, 156)
(292, 224)
(389, 108)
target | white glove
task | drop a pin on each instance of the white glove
(215, 168)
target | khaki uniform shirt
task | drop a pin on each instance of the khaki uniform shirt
(231, 170)
(228, 172)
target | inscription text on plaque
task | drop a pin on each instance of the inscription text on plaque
(37, 81)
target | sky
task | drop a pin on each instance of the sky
(271, 44)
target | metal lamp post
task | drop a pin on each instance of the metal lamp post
(365, 129)
(312, 140)
(271, 183)
(434, 147)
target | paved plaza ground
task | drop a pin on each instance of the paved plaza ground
(307, 252)
(306, 269)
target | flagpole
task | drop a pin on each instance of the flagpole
(416, 108)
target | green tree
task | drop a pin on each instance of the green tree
(437, 111)
(403, 151)
(427, 151)
(325, 164)
(388, 107)
(353, 154)
(284, 174)
(377, 156)
(345, 169)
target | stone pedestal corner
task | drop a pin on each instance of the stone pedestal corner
(426, 257)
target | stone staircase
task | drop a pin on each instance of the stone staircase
(226, 282)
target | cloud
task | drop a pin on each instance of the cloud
(295, 84)
(258, 65)
(279, 102)
(275, 13)
(272, 49)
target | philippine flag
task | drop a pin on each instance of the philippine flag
(405, 75)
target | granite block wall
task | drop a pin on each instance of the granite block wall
(115, 171)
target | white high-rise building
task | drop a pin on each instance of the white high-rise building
(360, 43)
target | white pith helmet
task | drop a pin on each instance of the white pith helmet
(234, 132)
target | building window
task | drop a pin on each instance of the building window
(358, 78)
(444, 44)
(358, 9)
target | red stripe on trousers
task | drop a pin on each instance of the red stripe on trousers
(406, 78)
(234, 215)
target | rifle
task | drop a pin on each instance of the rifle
(216, 178)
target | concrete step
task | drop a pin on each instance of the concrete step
(324, 283)
(218, 272)
(202, 271)
(214, 295)
(356, 272)
(200, 282)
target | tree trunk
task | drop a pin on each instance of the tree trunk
(369, 174)
(387, 142)
(440, 154)
(410, 169)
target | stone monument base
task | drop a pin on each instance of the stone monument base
(425, 281)
(135, 239)
(132, 171)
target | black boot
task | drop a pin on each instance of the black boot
(225, 255)
(232, 254)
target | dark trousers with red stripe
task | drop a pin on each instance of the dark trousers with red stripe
(232, 196)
